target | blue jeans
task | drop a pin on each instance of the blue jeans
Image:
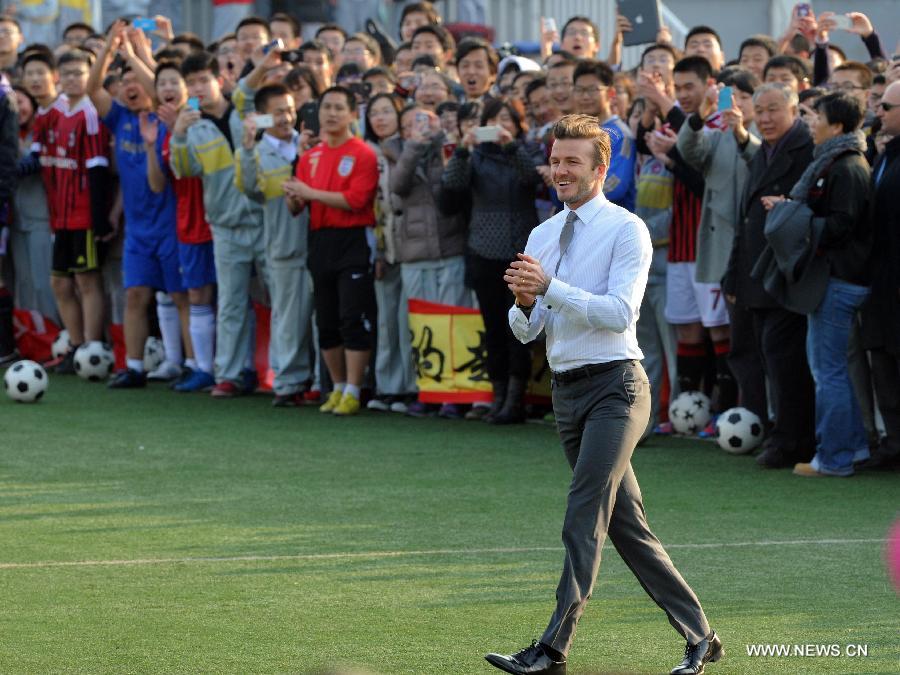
(839, 427)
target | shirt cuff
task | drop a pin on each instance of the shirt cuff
(555, 295)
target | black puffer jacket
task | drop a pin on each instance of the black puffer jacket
(503, 182)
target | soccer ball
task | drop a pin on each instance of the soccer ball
(25, 381)
(154, 354)
(61, 344)
(689, 412)
(94, 361)
(738, 431)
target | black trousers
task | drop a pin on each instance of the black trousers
(745, 360)
(781, 338)
(600, 419)
(886, 378)
(506, 356)
(343, 288)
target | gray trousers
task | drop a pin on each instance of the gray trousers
(600, 419)
(656, 336)
(394, 373)
(32, 252)
(292, 303)
(236, 252)
(438, 281)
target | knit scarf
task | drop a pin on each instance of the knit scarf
(823, 155)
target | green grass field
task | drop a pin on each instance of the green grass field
(144, 531)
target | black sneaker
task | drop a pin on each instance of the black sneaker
(294, 400)
(9, 358)
(128, 379)
(249, 381)
(67, 365)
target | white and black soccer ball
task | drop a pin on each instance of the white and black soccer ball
(738, 431)
(154, 354)
(94, 361)
(690, 412)
(25, 381)
(61, 344)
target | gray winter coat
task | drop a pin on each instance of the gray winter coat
(423, 231)
(716, 155)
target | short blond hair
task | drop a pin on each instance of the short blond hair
(585, 127)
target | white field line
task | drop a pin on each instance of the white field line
(374, 555)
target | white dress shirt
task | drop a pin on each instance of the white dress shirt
(591, 308)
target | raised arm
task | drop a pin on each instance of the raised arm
(99, 96)
(156, 177)
(135, 49)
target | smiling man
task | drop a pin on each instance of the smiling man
(262, 168)
(599, 255)
(150, 256)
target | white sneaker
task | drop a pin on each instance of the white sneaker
(399, 406)
(379, 403)
(165, 372)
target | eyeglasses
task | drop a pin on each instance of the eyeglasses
(843, 86)
(581, 91)
(579, 33)
(887, 107)
(559, 86)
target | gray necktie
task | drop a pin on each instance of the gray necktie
(565, 237)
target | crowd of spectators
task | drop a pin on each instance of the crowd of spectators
(336, 177)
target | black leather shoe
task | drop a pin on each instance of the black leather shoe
(775, 458)
(708, 650)
(532, 659)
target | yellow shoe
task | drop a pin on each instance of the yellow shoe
(349, 405)
(334, 399)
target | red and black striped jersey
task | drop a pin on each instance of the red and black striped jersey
(686, 208)
(69, 141)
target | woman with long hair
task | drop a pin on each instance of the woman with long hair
(498, 167)
(394, 376)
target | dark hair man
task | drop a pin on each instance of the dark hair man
(337, 180)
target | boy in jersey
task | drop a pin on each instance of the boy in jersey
(337, 180)
(73, 148)
(202, 144)
(150, 257)
(592, 94)
(693, 307)
(262, 169)
(195, 248)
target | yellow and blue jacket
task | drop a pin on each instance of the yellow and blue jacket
(206, 152)
(260, 173)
